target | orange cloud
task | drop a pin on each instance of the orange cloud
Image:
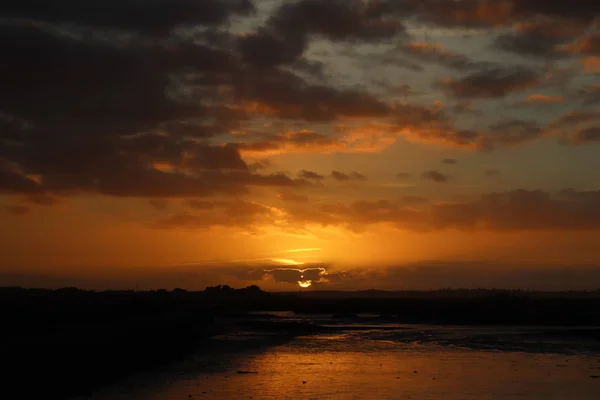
(475, 13)
(589, 45)
(540, 98)
(591, 64)
(553, 27)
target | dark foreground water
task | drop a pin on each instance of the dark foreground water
(368, 358)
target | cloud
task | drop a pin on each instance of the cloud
(201, 204)
(303, 140)
(591, 64)
(534, 99)
(426, 275)
(294, 275)
(587, 135)
(292, 197)
(285, 35)
(467, 14)
(532, 41)
(434, 275)
(573, 119)
(413, 201)
(143, 127)
(492, 82)
(514, 132)
(228, 213)
(493, 172)
(402, 175)
(352, 176)
(153, 18)
(585, 45)
(449, 161)
(260, 165)
(17, 210)
(518, 210)
(310, 175)
(183, 96)
(437, 53)
(485, 14)
(284, 95)
(159, 204)
(436, 176)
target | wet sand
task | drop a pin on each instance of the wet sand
(365, 362)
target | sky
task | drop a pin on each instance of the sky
(324, 144)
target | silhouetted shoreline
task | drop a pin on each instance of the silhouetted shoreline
(71, 341)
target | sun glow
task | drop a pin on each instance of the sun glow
(287, 261)
(302, 250)
(304, 284)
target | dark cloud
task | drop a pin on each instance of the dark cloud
(590, 95)
(402, 175)
(432, 124)
(426, 275)
(352, 176)
(310, 175)
(284, 37)
(573, 119)
(41, 199)
(449, 161)
(493, 172)
(17, 210)
(294, 275)
(159, 204)
(436, 176)
(436, 53)
(135, 129)
(260, 165)
(478, 14)
(514, 132)
(13, 181)
(530, 44)
(233, 213)
(583, 9)
(152, 17)
(587, 135)
(585, 45)
(462, 14)
(519, 210)
(283, 94)
(492, 82)
(392, 59)
(434, 275)
(541, 37)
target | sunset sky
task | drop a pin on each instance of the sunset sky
(340, 144)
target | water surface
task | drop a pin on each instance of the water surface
(366, 358)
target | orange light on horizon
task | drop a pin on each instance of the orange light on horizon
(304, 284)
(287, 261)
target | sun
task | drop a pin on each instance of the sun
(304, 284)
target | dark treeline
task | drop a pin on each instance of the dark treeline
(67, 342)
(70, 341)
(44, 309)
